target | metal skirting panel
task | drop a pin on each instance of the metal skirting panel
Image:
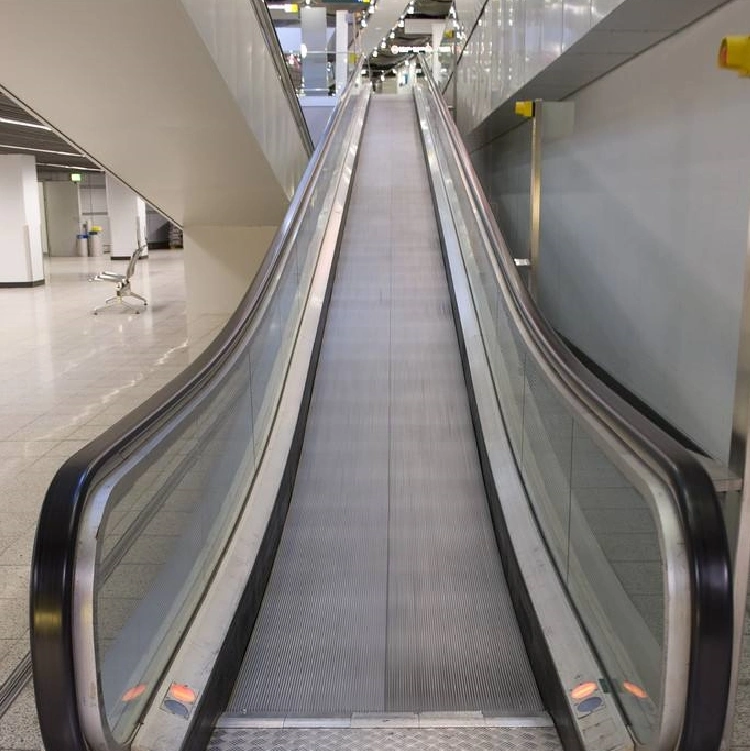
(386, 739)
(387, 593)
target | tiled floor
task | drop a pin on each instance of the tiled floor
(65, 376)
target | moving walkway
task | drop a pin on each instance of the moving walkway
(386, 508)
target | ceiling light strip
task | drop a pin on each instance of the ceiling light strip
(41, 151)
(23, 123)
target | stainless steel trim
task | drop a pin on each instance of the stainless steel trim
(678, 627)
(392, 720)
(87, 677)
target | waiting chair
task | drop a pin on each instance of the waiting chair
(123, 284)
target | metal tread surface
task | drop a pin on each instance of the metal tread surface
(386, 739)
(387, 592)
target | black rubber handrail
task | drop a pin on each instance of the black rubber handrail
(697, 506)
(53, 560)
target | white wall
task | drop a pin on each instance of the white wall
(220, 264)
(63, 213)
(127, 219)
(93, 200)
(197, 122)
(645, 224)
(20, 222)
(512, 42)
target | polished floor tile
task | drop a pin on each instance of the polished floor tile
(65, 376)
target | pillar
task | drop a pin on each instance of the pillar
(62, 209)
(342, 50)
(313, 23)
(20, 223)
(127, 219)
(220, 264)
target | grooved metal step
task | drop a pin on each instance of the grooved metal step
(387, 593)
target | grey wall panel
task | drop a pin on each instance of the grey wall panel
(645, 224)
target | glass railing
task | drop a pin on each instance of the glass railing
(327, 60)
(134, 525)
(629, 518)
(284, 71)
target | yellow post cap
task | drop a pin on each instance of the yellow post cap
(525, 109)
(734, 54)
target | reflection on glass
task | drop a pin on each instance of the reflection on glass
(594, 514)
(170, 510)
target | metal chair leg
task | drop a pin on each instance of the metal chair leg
(117, 300)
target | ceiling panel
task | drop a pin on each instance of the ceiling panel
(40, 142)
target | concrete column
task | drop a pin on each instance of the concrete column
(313, 23)
(127, 219)
(45, 244)
(342, 50)
(220, 264)
(20, 223)
(62, 208)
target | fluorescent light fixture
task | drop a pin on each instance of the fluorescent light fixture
(75, 177)
(23, 124)
(69, 166)
(41, 151)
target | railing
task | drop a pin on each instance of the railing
(133, 525)
(265, 24)
(629, 517)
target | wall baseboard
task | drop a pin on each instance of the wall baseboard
(20, 285)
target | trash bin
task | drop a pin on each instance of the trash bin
(81, 245)
(95, 241)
